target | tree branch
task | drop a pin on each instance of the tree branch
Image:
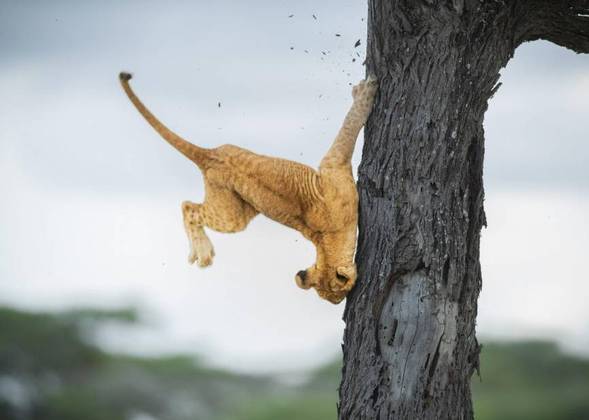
(563, 22)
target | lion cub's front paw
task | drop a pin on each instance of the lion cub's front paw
(201, 252)
(365, 90)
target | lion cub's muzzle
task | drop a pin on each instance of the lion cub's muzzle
(302, 280)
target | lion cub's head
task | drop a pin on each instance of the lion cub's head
(334, 273)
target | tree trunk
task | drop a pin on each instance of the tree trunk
(410, 347)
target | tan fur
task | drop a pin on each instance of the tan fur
(321, 204)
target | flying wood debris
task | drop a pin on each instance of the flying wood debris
(219, 104)
(357, 44)
(337, 35)
(314, 17)
(290, 16)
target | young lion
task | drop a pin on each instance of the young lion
(239, 184)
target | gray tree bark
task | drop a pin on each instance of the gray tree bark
(410, 347)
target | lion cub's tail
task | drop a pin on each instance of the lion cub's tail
(198, 155)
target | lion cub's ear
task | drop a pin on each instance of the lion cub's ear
(344, 274)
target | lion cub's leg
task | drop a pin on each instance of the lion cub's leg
(342, 148)
(201, 248)
(223, 211)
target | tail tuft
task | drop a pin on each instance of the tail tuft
(125, 77)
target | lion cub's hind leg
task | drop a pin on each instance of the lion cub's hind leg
(223, 211)
(201, 248)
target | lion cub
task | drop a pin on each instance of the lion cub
(321, 204)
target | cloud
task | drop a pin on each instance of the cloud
(67, 122)
(534, 132)
(532, 257)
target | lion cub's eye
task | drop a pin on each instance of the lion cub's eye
(341, 278)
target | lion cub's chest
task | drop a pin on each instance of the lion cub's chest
(337, 210)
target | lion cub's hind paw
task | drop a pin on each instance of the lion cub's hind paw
(205, 261)
(202, 252)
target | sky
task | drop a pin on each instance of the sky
(90, 213)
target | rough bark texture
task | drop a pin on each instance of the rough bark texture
(409, 346)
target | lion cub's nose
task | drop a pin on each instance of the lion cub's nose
(303, 275)
(301, 279)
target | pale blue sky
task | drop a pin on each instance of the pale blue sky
(92, 195)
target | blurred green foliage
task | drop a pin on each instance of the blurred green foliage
(531, 380)
(51, 369)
